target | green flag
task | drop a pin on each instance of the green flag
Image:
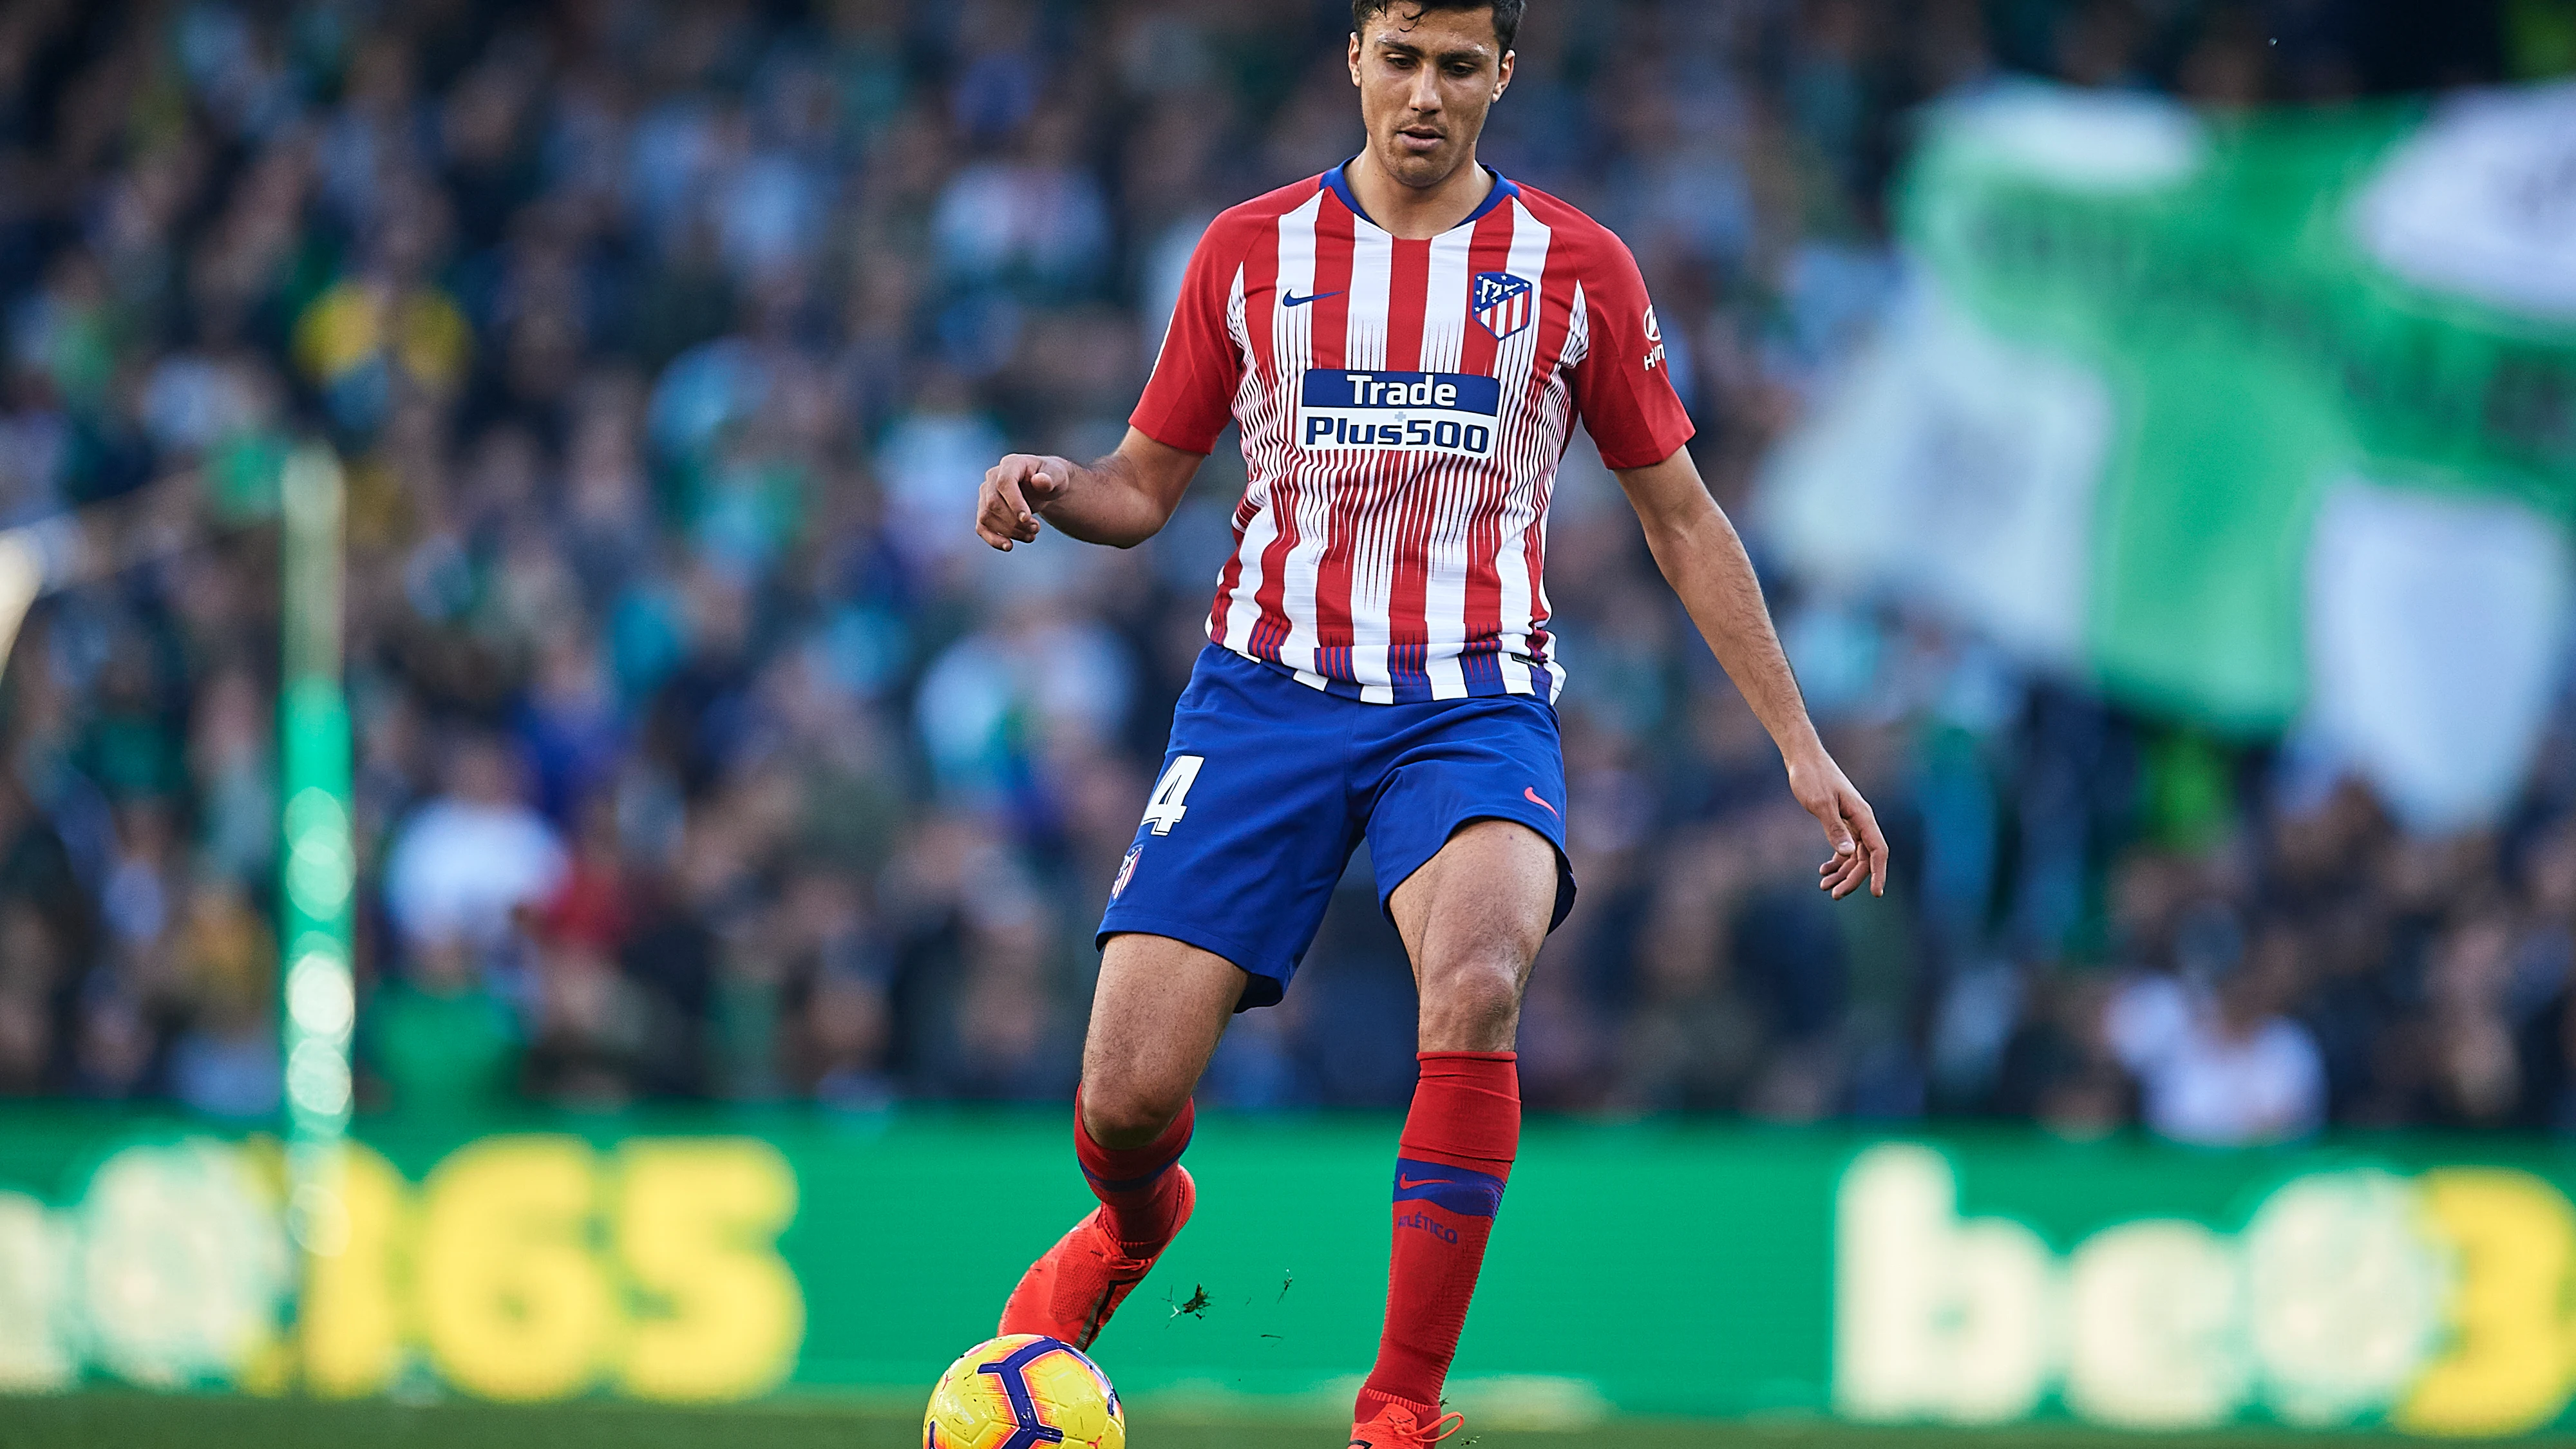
(2257, 419)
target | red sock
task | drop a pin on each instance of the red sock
(1136, 1184)
(1457, 1152)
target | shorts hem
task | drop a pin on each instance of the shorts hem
(1268, 981)
(1550, 831)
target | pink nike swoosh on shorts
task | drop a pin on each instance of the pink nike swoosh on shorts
(1532, 793)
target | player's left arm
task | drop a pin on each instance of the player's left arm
(1623, 389)
(1703, 558)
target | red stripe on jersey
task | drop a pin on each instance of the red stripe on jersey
(1336, 234)
(1411, 264)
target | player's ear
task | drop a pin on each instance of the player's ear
(1355, 57)
(1503, 82)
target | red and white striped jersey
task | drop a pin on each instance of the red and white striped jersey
(1404, 406)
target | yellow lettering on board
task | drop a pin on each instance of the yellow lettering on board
(350, 1315)
(697, 1224)
(513, 1302)
(2505, 1371)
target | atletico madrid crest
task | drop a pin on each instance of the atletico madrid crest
(1504, 303)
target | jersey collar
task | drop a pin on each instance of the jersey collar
(1502, 191)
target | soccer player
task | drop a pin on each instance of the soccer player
(1407, 341)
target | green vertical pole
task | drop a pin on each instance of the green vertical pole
(318, 870)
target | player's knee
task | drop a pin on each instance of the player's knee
(1121, 1114)
(1471, 1004)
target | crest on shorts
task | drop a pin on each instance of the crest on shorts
(1504, 303)
(1126, 872)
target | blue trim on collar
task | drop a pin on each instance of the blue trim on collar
(1503, 190)
(1340, 185)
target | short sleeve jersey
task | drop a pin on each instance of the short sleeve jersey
(1404, 405)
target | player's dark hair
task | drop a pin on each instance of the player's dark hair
(1507, 13)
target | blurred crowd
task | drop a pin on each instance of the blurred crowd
(702, 753)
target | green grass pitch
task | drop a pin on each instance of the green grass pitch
(108, 1420)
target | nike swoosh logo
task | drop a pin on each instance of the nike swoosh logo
(1534, 800)
(1291, 299)
(1407, 1184)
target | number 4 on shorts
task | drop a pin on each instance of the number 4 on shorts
(1170, 792)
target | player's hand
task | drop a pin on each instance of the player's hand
(1860, 851)
(1006, 509)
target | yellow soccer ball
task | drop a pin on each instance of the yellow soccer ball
(1024, 1392)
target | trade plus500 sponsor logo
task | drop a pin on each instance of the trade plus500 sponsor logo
(2433, 1303)
(1438, 412)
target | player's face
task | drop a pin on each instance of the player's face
(1426, 81)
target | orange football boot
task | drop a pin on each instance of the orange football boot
(1399, 1426)
(1070, 1293)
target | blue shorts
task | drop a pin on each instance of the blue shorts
(1269, 785)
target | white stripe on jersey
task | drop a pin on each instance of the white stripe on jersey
(1370, 526)
(1454, 481)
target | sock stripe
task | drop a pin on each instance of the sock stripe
(1130, 1184)
(1461, 1190)
(1438, 1154)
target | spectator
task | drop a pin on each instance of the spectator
(439, 1039)
(225, 1063)
(2220, 1065)
(466, 861)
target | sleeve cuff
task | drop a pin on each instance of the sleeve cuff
(1170, 434)
(1660, 451)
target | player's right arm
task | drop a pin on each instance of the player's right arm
(1121, 500)
(1125, 498)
